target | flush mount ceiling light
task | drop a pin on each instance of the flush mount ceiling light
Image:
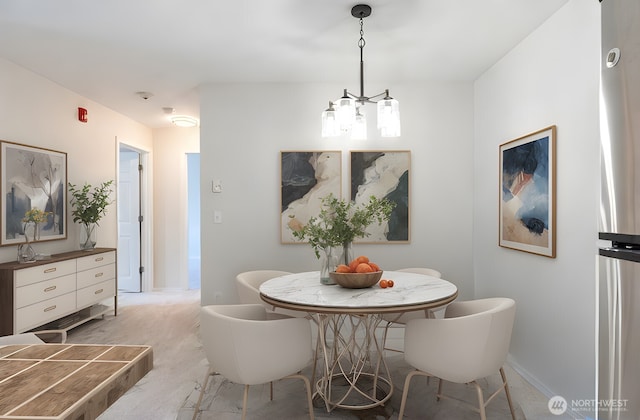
(346, 115)
(183, 121)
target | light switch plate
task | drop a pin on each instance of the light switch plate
(216, 186)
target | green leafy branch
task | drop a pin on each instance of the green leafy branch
(340, 222)
(90, 205)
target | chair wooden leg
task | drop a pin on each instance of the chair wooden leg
(307, 385)
(506, 390)
(271, 391)
(405, 391)
(439, 394)
(315, 358)
(204, 387)
(244, 402)
(481, 403)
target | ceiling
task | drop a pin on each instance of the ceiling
(109, 50)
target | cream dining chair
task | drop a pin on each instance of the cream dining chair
(471, 342)
(399, 320)
(248, 288)
(245, 347)
(248, 285)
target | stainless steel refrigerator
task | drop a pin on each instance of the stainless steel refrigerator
(619, 238)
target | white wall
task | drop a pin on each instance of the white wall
(36, 112)
(170, 148)
(550, 78)
(244, 128)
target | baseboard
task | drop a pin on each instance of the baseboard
(534, 382)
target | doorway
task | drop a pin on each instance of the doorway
(130, 220)
(193, 211)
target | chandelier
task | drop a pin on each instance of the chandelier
(347, 114)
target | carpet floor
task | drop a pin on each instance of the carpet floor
(169, 322)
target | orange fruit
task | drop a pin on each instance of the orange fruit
(384, 283)
(363, 259)
(364, 268)
(353, 265)
(343, 269)
(374, 266)
(390, 283)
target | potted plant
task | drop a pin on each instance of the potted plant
(89, 205)
(338, 224)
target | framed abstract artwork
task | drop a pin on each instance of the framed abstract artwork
(306, 177)
(32, 178)
(383, 174)
(527, 219)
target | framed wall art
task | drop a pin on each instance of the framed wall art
(306, 177)
(527, 193)
(383, 174)
(32, 178)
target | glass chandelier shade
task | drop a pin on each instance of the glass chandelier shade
(389, 117)
(359, 127)
(347, 113)
(330, 124)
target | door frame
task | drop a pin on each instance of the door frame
(146, 210)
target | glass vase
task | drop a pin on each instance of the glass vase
(347, 254)
(327, 265)
(26, 253)
(88, 236)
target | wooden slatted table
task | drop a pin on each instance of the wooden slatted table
(67, 381)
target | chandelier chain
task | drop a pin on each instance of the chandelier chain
(361, 41)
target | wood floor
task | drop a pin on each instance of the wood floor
(169, 322)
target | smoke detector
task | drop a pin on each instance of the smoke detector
(144, 95)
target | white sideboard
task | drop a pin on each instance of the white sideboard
(60, 292)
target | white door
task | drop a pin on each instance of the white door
(129, 277)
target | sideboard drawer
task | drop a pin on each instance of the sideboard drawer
(37, 292)
(96, 293)
(42, 312)
(44, 272)
(96, 275)
(97, 260)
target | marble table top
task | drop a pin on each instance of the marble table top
(411, 291)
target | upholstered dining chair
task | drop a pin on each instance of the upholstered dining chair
(248, 285)
(245, 347)
(248, 288)
(36, 337)
(399, 320)
(471, 342)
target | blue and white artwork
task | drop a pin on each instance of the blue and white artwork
(305, 179)
(526, 202)
(383, 174)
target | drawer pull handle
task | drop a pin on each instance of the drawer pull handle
(50, 270)
(50, 288)
(97, 292)
(99, 274)
(50, 308)
(99, 259)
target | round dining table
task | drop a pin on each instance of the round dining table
(355, 373)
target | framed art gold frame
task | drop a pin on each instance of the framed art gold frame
(527, 213)
(306, 177)
(32, 178)
(383, 174)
